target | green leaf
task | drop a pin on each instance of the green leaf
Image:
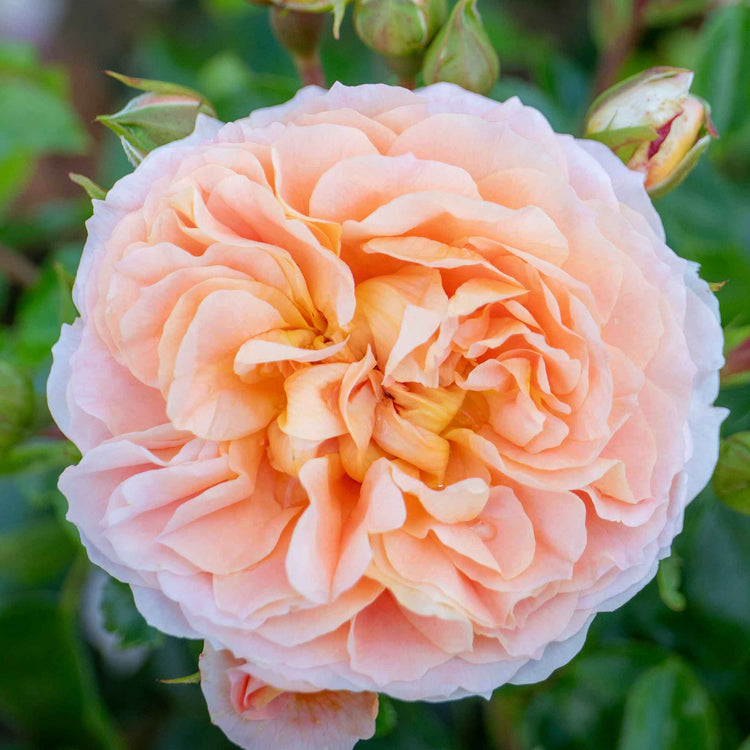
(668, 580)
(581, 708)
(38, 456)
(46, 687)
(122, 618)
(667, 708)
(36, 121)
(16, 169)
(35, 554)
(16, 404)
(35, 117)
(387, 716)
(732, 475)
(419, 727)
(41, 311)
(721, 77)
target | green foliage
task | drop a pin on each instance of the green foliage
(387, 717)
(668, 708)
(46, 686)
(35, 117)
(123, 619)
(721, 76)
(582, 707)
(16, 404)
(53, 551)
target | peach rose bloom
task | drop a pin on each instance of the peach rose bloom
(383, 390)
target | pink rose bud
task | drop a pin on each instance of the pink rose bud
(462, 53)
(166, 112)
(653, 123)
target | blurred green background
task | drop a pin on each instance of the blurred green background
(78, 667)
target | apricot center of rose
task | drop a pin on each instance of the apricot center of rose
(403, 393)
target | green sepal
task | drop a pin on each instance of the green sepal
(94, 191)
(191, 679)
(162, 87)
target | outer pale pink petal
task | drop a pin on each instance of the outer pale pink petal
(371, 638)
(701, 322)
(162, 612)
(452, 98)
(82, 428)
(626, 183)
(260, 118)
(128, 194)
(334, 720)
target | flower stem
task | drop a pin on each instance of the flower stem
(310, 69)
(613, 59)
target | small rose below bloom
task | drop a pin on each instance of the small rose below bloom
(257, 716)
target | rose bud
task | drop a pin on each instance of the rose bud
(732, 476)
(653, 123)
(165, 113)
(462, 52)
(396, 28)
(337, 7)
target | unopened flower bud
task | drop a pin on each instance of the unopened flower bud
(653, 123)
(462, 53)
(398, 28)
(337, 7)
(165, 113)
(732, 476)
